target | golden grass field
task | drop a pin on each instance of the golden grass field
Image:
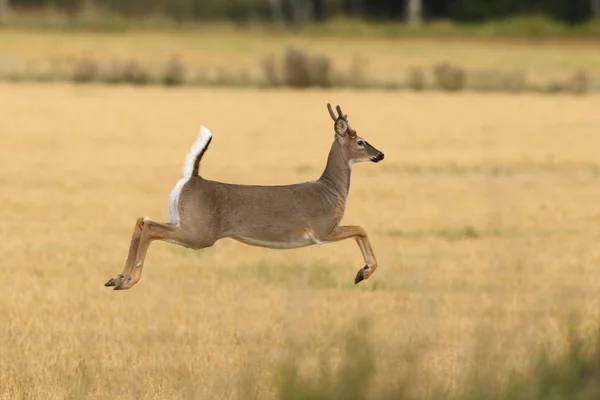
(205, 51)
(484, 217)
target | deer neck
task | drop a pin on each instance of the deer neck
(336, 176)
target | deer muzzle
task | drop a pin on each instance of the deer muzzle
(378, 157)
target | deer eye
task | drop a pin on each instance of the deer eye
(360, 143)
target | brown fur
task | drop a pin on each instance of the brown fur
(278, 217)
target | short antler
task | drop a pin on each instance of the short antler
(340, 113)
(333, 117)
(341, 121)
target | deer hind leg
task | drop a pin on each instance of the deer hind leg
(133, 248)
(362, 239)
(146, 231)
(150, 232)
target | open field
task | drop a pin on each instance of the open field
(383, 58)
(484, 217)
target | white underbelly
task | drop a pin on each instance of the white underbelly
(284, 244)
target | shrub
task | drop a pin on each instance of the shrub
(228, 77)
(9, 71)
(202, 77)
(268, 65)
(54, 70)
(578, 83)
(321, 71)
(302, 70)
(128, 71)
(553, 86)
(449, 77)
(244, 79)
(416, 78)
(85, 70)
(489, 80)
(515, 82)
(495, 81)
(296, 65)
(390, 83)
(173, 73)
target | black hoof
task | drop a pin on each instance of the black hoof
(360, 275)
(120, 285)
(113, 281)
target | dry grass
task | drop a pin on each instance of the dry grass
(379, 57)
(78, 165)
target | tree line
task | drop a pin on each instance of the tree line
(298, 12)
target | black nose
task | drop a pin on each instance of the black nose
(378, 157)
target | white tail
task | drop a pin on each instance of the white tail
(190, 167)
(198, 148)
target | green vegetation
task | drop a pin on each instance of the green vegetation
(512, 27)
(296, 68)
(572, 374)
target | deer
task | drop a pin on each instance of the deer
(203, 211)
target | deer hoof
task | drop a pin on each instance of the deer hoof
(114, 281)
(125, 284)
(361, 274)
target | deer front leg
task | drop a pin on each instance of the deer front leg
(150, 231)
(133, 248)
(362, 239)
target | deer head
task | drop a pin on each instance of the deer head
(355, 148)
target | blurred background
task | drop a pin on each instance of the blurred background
(352, 44)
(484, 216)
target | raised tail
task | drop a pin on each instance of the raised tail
(192, 161)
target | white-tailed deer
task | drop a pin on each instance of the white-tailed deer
(278, 217)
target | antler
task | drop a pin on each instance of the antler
(333, 117)
(340, 113)
(341, 122)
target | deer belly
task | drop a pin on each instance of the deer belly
(283, 242)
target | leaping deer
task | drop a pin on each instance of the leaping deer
(202, 211)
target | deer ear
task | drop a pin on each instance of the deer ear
(341, 127)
